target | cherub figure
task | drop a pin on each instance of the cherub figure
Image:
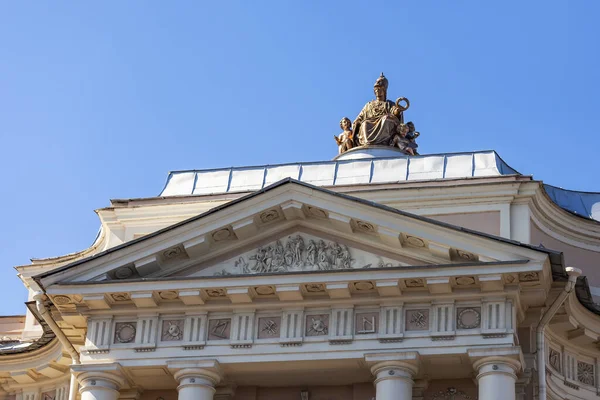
(401, 141)
(346, 139)
(412, 135)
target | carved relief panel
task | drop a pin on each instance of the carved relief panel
(172, 330)
(125, 332)
(585, 373)
(555, 359)
(269, 327)
(417, 320)
(317, 325)
(219, 329)
(366, 323)
(468, 317)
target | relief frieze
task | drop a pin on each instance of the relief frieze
(298, 252)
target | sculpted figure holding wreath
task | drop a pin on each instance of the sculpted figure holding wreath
(380, 119)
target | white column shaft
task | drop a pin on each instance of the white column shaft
(496, 381)
(196, 383)
(394, 384)
(195, 388)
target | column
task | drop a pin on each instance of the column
(99, 385)
(394, 373)
(394, 380)
(197, 379)
(496, 377)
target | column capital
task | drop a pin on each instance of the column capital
(99, 376)
(384, 366)
(497, 365)
(205, 373)
(512, 355)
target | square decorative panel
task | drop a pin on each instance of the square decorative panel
(172, 330)
(125, 332)
(417, 320)
(585, 373)
(554, 359)
(219, 329)
(468, 317)
(366, 323)
(269, 327)
(317, 325)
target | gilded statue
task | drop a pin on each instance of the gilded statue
(380, 123)
(346, 139)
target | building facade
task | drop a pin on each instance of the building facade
(375, 275)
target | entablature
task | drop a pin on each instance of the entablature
(308, 330)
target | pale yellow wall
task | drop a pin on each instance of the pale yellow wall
(486, 222)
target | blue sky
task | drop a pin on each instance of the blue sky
(100, 100)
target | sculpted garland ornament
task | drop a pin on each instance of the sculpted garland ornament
(125, 332)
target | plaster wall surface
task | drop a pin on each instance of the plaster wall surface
(487, 222)
(587, 260)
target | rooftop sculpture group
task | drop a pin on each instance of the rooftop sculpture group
(380, 123)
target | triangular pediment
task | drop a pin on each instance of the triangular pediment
(289, 228)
